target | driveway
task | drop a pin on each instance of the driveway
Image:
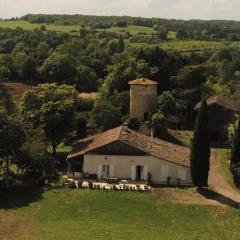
(223, 191)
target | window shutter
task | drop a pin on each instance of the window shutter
(145, 173)
(112, 174)
(133, 173)
(99, 172)
(164, 173)
(182, 174)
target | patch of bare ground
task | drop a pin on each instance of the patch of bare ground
(91, 96)
(183, 196)
(219, 182)
(15, 227)
(17, 88)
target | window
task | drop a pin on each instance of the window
(139, 172)
(145, 116)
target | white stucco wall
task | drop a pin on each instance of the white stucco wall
(159, 169)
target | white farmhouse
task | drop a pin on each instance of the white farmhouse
(125, 154)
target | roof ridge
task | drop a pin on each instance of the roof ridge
(120, 132)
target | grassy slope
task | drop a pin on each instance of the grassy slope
(191, 45)
(68, 28)
(132, 29)
(31, 26)
(184, 46)
(81, 214)
(223, 155)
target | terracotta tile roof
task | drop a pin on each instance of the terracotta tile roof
(222, 101)
(142, 81)
(95, 141)
(154, 147)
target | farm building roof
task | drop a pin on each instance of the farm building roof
(142, 81)
(222, 101)
(154, 147)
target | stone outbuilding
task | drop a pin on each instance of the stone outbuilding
(143, 98)
(125, 154)
(221, 112)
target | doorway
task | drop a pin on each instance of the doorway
(146, 116)
(105, 171)
(139, 173)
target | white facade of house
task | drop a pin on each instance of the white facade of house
(136, 168)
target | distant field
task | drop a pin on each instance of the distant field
(84, 214)
(172, 44)
(191, 45)
(172, 35)
(69, 28)
(31, 26)
(132, 29)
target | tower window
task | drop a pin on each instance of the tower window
(145, 116)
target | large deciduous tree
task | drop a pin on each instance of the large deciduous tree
(200, 149)
(167, 104)
(104, 116)
(59, 68)
(121, 45)
(11, 140)
(53, 108)
(6, 102)
(34, 156)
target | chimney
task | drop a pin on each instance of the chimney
(152, 133)
(124, 127)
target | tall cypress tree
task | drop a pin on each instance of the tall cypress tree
(200, 149)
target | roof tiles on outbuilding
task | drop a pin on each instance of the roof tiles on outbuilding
(142, 81)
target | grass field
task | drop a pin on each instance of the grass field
(132, 29)
(85, 214)
(70, 28)
(223, 155)
(172, 44)
(190, 45)
(31, 26)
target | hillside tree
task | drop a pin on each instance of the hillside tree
(121, 45)
(52, 107)
(12, 138)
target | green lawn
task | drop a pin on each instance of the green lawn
(223, 155)
(85, 214)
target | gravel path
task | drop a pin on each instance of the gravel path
(223, 191)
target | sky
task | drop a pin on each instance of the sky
(178, 9)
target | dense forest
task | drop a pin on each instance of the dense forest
(96, 59)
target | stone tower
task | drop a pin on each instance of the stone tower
(143, 98)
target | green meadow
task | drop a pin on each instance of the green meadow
(94, 214)
(190, 45)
